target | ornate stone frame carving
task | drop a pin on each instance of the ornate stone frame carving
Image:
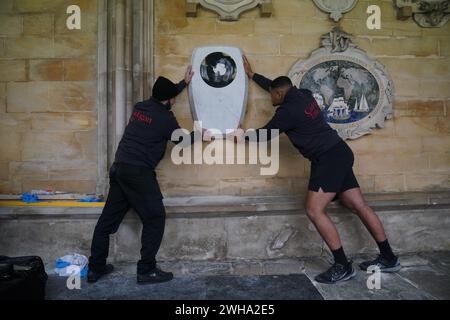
(337, 45)
(426, 13)
(335, 8)
(229, 9)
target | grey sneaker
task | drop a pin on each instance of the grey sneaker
(337, 273)
(383, 264)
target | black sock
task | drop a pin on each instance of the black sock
(339, 256)
(385, 250)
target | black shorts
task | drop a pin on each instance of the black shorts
(333, 170)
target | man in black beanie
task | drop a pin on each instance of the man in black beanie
(133, 181)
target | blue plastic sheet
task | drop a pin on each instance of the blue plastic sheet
(88, 199)
(29, 198)
(63, 264)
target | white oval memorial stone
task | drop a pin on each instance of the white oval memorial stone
(218, 90)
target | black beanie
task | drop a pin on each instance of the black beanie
(164, 89)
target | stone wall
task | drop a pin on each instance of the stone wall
(48, 130)
(411, 153)
(48, 93)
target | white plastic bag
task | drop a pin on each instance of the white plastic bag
(70, 264)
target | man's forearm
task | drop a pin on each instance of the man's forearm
(262, 81)
(187, 139)
(181, 85)
(261, 134)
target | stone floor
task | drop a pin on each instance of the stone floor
(425, 276)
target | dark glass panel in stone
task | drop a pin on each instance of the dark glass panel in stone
(218, 69)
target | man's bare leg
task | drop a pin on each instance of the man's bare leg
(316, 203)
(387, 261)
(341, 270)
(354, 200)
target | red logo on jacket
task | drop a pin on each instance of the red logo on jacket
(312, 111)
(140, 117)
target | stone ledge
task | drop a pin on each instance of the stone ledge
(258, 228)
(229, 206)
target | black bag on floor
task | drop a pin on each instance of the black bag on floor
(22, 278)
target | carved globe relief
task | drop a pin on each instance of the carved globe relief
(354, 92)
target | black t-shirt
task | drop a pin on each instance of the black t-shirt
(145, 138)
(302, 120)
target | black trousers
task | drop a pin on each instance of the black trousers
(130, 187)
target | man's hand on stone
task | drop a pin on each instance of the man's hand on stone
(206, 134)
(248, 67)
(236, 136)
(188, 75)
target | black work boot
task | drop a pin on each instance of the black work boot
(155, 275)
(93, 276)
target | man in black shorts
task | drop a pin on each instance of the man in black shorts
(299, 116)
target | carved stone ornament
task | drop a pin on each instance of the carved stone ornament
(354, 92)
(427, 14)
(335, 8)
(229, 9)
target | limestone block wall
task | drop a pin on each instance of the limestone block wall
(48, 88)
(47, 96)
(411, 153)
